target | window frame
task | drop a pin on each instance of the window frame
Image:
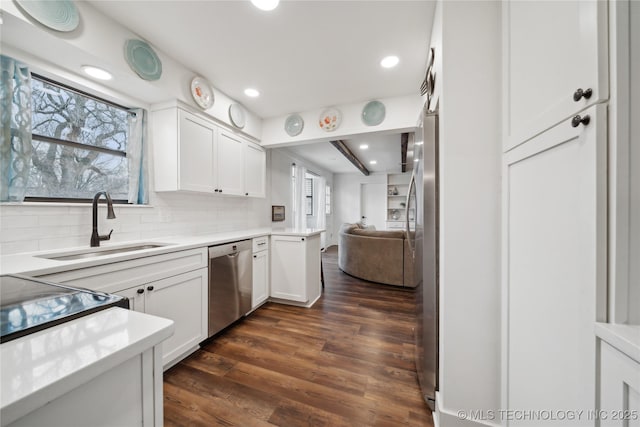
(79, 145)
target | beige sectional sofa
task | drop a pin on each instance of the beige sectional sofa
(375, 255)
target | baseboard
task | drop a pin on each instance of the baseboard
(448, 418)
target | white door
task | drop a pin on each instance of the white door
(183, 299)
(554, 277)
(373, 204)
(288, 269)
(197, 140)
(230, 163)
(551, 49)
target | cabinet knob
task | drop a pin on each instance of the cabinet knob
(302, 239)
(149, 288)
(140, 291)
(575, 122)
(579, 94)
(246, 194)
(255, 256)
(216, 190)
(220, 190)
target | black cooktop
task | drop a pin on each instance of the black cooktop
(28, 305)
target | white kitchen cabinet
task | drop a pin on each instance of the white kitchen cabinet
(193, 153)
(554, 275)
(183, 151)
(551, 49)
(229, 164)
(183, 299)
(295, 268)
(255, 166)
(619, 394)
(260, 271)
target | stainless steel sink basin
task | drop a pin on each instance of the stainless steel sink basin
(98, 252)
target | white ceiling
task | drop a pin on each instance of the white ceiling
(385, 149)
(302, 56)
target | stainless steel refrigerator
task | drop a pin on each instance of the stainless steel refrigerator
(423, 195)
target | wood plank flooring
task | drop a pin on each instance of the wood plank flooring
(347, 361)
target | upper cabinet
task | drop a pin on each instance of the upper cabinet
(555, 64)
(192, 153)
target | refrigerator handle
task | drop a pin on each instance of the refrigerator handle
(412, 243)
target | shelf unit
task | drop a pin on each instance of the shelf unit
(397, 188)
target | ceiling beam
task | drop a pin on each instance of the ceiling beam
(342, 147)
(404, 144)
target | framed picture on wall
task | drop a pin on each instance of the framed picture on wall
(277, 213)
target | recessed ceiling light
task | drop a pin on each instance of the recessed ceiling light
(373, 162)
(364, 146)
(97, 73)
(265, 4)
(389, 61)
(251, 92)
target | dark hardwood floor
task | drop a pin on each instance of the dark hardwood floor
(347, 361)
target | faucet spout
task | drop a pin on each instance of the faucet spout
(95, 236)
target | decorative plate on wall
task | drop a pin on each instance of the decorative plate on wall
(236, 115)
(59, 15)
(142, 59)
(373, 113)
(201, 92)
(330, 119)
(293, 125)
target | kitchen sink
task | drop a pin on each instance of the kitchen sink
(98, 252)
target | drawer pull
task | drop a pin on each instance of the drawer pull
(149, 288)
(575, 122)
(579, 94)
(140, 291)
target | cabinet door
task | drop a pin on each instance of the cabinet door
(230, 164)
(255, 166)
(619, 388)
(554, 277)
(288, 278)
(135, 296)
(260, 278)
(183, 299)
(551, 49)
(197, 141)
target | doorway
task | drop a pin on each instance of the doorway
(372, 204)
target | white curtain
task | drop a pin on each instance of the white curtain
(299, 199)
(138, 174)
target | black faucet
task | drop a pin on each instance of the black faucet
(95, 237)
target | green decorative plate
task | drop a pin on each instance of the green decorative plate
(59, 15)
(142, 59)
(294, 124)
(373, 113)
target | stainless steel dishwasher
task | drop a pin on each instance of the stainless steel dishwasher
(230, 283)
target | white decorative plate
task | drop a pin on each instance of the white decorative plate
(201, 92)
(236, 115)
(293, 125)
(59, 15)
(330, 119)
(373, 113)
(142, 59)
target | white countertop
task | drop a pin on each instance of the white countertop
(625, 338)
(40, 367)
(32, 265)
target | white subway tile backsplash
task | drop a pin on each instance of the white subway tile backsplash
(28, 228)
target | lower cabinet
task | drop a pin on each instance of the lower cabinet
(183, 299)
(260, 278)
(619, 398)
(295, 268)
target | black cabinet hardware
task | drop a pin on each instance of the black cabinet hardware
(579, 94)
(575, 122)
(149, 288)
(140, 291)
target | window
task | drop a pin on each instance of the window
(308, 193)
(327, 200)
(79, 144)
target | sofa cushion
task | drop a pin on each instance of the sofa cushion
(389, 234)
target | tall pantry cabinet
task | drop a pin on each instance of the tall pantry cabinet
(554, 203)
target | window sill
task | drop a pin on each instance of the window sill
(70, 204)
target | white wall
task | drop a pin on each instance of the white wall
(32, 227)
(467, 35)
(280, 171)
(347, 196)
(400, 116)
